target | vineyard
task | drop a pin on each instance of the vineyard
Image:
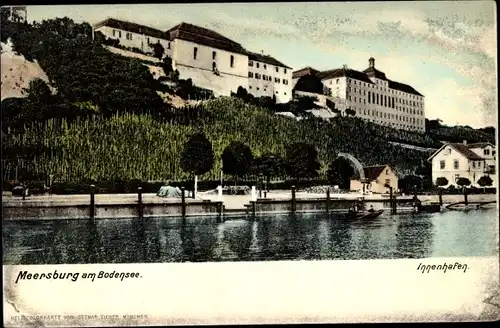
(138, 146)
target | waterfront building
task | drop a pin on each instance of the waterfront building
(462, 160)
(372, 96)
(211, 60)
(378, 179)
(132, 35)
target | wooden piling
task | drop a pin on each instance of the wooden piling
(139, 202)
(328, 200)
(466, 201)
(440, 197)
(219, 210)
(391, 200)
(254, 205)
(183, 198)
(294, 201)
(24, 191)
(92, 202)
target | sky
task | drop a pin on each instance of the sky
(446, 50)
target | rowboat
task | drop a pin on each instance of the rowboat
(366, 215)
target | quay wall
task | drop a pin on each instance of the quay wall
(67, 211)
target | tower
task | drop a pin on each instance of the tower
(371, 62)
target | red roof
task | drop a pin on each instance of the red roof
(304, 71)
(462, 149)
(373, 172)
(204, 36)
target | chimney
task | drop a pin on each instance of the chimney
(262, 51)
(465, 142)
(344, 66)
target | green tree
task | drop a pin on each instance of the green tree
(197, 157)
(158, 50)
(237, 159)
(350, 112)
(167, 65)
(269, 165)
(302, 161)
(485, 181)
(463, 182)
(340, 172)
(441, 182)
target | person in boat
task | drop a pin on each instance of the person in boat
(371, 209)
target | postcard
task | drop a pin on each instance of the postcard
(247, 163)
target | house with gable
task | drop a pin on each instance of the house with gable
(378, 179)
(462, 160)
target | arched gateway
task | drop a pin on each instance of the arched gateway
(357, 165)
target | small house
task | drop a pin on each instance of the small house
(378, 179)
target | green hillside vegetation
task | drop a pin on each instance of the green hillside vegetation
(137, 146)
(107, 122)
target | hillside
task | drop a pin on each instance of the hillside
(114, 116)
(17, 72)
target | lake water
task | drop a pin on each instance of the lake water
(267, 238)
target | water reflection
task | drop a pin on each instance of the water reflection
(297, 237)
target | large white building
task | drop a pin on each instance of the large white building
(131, 35)
(208, 58)
(269, 78)
(372, 96)
(462, 160)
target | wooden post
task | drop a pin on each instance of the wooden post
(293, 200)
(92, 202)
(391, 200)
(394, 204)
(183, 198)
(254, 205)
(24, 191)
(219, 210)
(139, 202)
(465, 196)
(328, 200)
(440, 197)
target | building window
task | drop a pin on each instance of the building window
(250, 74)
(457, 176)
(473, 164)
(337, 81)
(277, 71)
(486, 152)
(284, 70)
(114, 32)
(478, 165)
(441, 165)
(214, 55)
(277, 80)
(214, 66)
(265, 67)
(195, 53)
(168, 46)
(149, 42)
(377, 99)
(119, 34)
(455, 164)
(250, 63)
(285, 82)
(232, 61)
(257, 65)
(258, 88)
(257, 76)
